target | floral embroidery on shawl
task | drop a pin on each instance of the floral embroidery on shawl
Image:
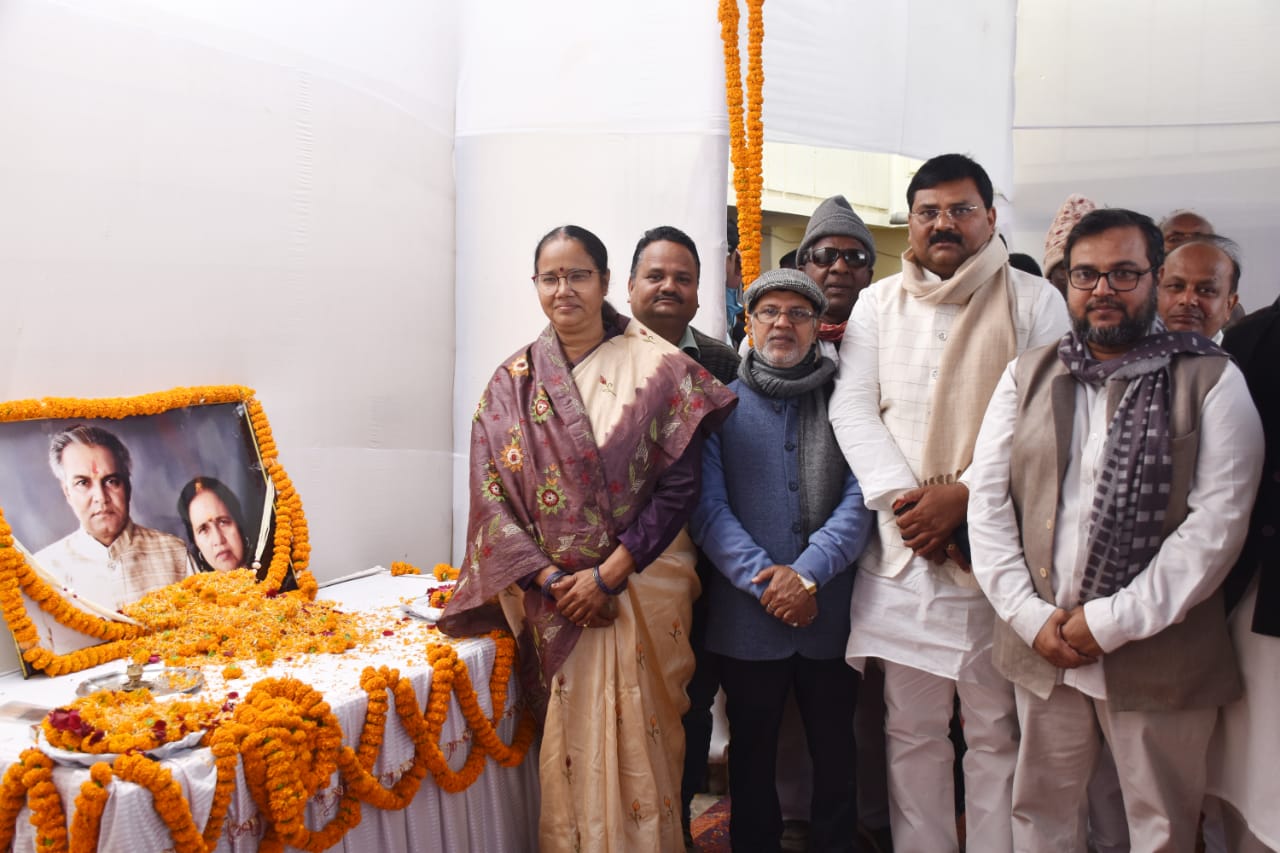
(544, 491)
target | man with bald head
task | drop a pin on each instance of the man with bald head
(1198, 286)
(1182, 225)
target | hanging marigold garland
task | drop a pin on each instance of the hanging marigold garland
(292, 544)
(746, 134)
(290, 743)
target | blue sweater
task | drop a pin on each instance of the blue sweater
(748, 518)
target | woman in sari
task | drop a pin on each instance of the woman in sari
(585, 464)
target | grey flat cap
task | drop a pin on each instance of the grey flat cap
(793, 280)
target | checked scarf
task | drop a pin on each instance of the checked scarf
(1126, 520)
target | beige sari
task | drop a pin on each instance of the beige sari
(563, 458)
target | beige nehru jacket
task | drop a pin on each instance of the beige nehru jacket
(1190, 664)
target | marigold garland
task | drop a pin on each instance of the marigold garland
(115, 721)
(746, 134)
(86, 823)
(292, 544)
(290, 743)
(399, 568)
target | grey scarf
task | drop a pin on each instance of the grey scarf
(1126, 519)
(822, 464)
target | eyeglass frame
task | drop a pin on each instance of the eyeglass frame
(788, 312)
(863, 257)
(1100, 275)
(536, 278)
(957, 213)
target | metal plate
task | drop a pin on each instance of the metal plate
(160, 680)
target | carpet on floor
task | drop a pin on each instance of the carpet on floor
(710, 830)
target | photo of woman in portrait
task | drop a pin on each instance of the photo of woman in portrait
(215, 525)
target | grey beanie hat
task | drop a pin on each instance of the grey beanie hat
(835, 218)
(784, 279)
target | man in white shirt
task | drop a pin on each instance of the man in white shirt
(1109, 495)
(921, 354)
(108, 560)
(1198, 286)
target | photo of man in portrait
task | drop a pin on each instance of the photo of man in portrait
(108, 559)
(133, 504)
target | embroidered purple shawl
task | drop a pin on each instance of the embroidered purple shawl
(543, 491)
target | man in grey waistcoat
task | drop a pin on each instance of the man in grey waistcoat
(781, 518)
(1108, 497)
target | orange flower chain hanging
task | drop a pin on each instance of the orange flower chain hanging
(290, 743)
(746, 133)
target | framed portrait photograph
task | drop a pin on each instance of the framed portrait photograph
(104, 508)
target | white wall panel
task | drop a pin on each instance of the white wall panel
(237, 192)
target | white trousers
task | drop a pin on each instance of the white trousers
(1160, 760)
(918, 709)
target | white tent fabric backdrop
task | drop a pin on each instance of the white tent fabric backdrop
(336, 202)
(1153, 106)
(238, 192)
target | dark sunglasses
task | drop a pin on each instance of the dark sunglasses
(854, 259)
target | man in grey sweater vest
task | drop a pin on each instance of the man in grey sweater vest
(1108, 496)
(782, 520)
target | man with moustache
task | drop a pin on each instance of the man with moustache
(108, 561)
(781, 518)
(1198, 286)
(921, 355)
(839, 253)
(1108, 497)
(663, 289)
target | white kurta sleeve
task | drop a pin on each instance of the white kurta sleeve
(998, 562)
(854, 408)
(1195, 558)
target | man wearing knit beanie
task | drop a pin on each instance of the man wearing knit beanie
(839, 253)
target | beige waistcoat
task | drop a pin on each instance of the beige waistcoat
(1188, 665)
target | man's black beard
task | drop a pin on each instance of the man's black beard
(1124, 334)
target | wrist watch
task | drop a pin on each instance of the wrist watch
(810, 587)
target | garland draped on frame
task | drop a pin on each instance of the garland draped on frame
(292, 544)
(746, 134)
(291, 743)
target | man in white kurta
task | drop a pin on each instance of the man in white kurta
(921, 355)
(1109, 494)
(108, 561)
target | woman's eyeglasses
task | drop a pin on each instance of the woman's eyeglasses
(576, 279)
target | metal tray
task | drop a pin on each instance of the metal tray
(160, 680)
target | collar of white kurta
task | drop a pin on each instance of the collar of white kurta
(981, 343)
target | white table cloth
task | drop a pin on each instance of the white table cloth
(499, 812)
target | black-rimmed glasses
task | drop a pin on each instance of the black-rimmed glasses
(1120, 280)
